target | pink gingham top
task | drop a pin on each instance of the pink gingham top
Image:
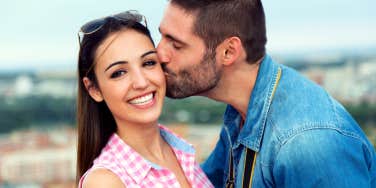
(135, 171)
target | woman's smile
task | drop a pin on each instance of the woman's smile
(143, 101)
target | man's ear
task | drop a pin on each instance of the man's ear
(93, 91)
(230, 50)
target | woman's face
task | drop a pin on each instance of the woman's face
(130, 78)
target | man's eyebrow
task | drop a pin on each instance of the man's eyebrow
(115, 63)
(170, 37)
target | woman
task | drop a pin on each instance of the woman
(120, 97)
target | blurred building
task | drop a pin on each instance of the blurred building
(350, 82)
(56, 84)
(202, 137)
(23, 86)
(348, 79)
(38, 157)
(48, 159)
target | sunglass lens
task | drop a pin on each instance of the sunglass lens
(129, 16)
(92, 26)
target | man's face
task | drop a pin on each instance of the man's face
(189, 67)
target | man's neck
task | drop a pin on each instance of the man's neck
(236, 86)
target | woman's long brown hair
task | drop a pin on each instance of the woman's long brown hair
(95, 121)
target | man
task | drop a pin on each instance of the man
(280, 130)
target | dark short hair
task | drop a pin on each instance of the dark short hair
(217, 20)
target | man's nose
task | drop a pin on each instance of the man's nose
(163, 53)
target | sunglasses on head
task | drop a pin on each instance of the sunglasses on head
(128, 17)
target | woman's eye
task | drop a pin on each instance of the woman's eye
(118, 73)
(150, 63)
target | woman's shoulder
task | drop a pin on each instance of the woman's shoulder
(102, 177)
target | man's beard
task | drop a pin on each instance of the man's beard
(193, 80)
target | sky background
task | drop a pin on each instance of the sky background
(43, 33)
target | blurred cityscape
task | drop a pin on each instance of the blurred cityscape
(42, 153)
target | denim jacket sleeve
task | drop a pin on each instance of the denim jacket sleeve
(215, 164)
(324, 158)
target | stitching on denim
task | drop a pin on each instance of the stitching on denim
(228, 136)
(331, 127)
(288, 134)
(274, 129)
(267, 105)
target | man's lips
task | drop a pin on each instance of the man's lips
(167, 71)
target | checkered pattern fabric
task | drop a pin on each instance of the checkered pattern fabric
(135, 171)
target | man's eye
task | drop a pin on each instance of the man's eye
(176, 46)
(117, 74)
(150, 63)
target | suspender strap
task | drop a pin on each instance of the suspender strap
(231, 176)
(249, 166)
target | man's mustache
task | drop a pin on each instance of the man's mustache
(166, 70)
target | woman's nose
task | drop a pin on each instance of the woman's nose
(139, 80)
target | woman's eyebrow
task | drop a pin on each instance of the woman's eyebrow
(115, 63)
(147, 53)
(125, 62)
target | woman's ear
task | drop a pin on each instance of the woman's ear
(93, 91)
(230, 50)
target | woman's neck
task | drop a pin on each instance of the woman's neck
(145, 139)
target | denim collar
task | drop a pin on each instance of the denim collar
(253, 129)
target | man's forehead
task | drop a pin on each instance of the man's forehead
(177, 16)
(176, 22)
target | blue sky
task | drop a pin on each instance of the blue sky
(43, 33)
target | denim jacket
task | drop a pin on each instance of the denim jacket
(301, 135)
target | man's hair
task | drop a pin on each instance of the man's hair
(217, 20)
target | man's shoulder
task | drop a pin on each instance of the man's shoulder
(315, 153)
(315, 142)
(300, 106)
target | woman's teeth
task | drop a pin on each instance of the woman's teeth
(142, 100)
